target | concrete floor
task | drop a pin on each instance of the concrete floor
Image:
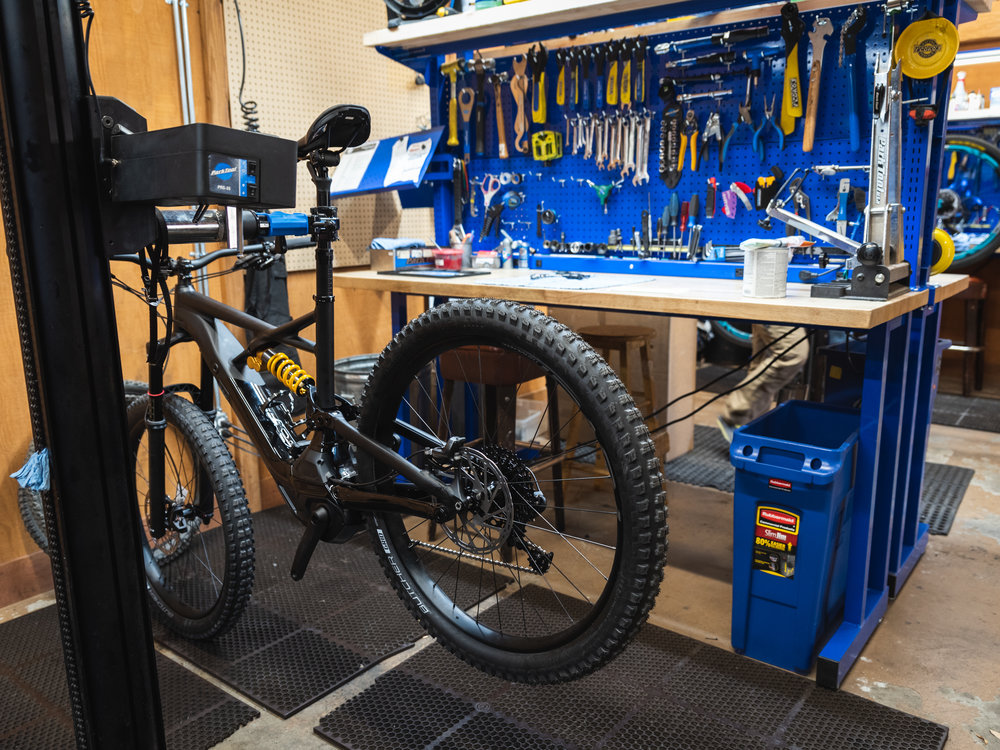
(936, 654)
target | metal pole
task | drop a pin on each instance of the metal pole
(48, 186)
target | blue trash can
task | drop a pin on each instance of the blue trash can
(791, 529)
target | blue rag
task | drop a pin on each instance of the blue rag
(34, 475)
(389, 243)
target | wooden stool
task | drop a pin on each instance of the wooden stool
(622, 339)
(974, 344)
(500, 372)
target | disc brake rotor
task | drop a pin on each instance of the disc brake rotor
(485, 522)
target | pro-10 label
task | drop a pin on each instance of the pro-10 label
(232, 176)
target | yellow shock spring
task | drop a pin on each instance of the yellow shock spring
(284, 369)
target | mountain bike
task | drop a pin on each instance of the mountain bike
(494, 457)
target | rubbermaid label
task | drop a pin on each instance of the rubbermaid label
(780, 484)
(776, 539)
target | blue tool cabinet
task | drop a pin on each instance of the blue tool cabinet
(896, 382)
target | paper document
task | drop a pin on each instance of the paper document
(353, 165)
(407, 160)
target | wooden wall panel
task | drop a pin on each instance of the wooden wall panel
(133, 58)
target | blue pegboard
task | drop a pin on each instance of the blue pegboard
(562, 185)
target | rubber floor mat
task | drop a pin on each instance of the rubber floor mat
(299, 641)
(972, 412)
(944, 489)
(705, 465)
(36, 705)
(664, 691)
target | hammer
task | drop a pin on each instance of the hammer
(451, 70)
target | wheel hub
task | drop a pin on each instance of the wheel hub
(483, 522)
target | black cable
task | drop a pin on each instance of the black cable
(86, 13)
(251, 119)
(724, 375)
(743, 384)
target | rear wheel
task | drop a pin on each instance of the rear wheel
(556, 555)
(200, 572)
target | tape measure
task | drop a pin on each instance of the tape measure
(546, 146)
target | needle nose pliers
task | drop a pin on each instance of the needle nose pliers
(758, 136)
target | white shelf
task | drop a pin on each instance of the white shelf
(461, 27)
(974, 114)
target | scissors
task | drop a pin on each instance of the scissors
(490, 185)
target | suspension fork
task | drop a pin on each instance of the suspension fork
(156, 426)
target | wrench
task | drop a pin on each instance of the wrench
(821, 31)
(629, 158)
(642, 167)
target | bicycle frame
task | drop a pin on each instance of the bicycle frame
(310, 477)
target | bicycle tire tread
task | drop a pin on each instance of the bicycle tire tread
(648, 527)
(234, 512)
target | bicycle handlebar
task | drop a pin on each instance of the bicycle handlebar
(226, 252)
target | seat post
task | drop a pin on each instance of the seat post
(325, 388)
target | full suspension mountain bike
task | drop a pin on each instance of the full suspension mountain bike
(494, 457)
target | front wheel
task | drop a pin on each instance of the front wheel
(556, 555)
(199, 573)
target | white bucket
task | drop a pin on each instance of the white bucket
(765, 271)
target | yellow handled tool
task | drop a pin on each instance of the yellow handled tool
(560, 56)
(536, 61)
(626, 93)
(792, 27)
(451, 69)
(612, 92)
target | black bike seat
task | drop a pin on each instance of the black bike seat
(339, 127)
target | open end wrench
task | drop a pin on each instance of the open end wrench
(821, 31)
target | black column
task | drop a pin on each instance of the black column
(66, 318)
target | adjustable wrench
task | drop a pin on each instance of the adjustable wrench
(821, 31)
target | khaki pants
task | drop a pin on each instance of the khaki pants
(749, 402)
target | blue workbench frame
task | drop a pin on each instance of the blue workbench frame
(899, 379)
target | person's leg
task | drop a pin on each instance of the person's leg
(764, 379)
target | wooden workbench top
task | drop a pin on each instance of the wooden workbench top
(670, 295)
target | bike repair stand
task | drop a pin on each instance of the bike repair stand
(878, 268)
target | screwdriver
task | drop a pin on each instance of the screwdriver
(673, 209)
(694, 208)
(685, 207)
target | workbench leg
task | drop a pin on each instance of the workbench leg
(875, 478)
(912, 534)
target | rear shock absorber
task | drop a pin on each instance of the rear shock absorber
(284, 368)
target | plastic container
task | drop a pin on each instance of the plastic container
(447, 258)
(791, 530)
(765, 272)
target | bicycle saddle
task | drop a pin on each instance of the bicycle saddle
(339, 127)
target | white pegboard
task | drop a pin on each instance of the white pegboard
(303, 56)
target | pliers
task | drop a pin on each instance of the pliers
(713, 129)
(758, 136)
(689, 134)
(745, 118)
